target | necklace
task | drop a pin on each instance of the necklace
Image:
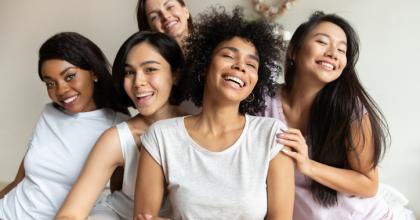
(271, 12)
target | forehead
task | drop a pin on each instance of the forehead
(241, 44)
(54, 66)
(330, 29)
(143, 52)
(154, 4)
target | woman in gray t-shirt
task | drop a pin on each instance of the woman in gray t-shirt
(222, 163)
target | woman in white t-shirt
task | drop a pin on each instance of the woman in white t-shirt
(84, 104)
(222, 163)
(145, 70)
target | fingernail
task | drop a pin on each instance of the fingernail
(285, 150)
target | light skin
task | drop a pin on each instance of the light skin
(168, 16)
(231, 77)
(68, 86)
(320, 61)
(148, 82)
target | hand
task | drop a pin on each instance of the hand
(296, 148)
(148, 217)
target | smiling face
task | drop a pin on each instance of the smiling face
(69, 86)
(168, 16)
(233, 71)
(322, 56)
(148, 79)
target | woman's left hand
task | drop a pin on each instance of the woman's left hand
(294, 140)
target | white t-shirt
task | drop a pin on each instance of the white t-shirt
(122, 201)
(56, 153)
(202, 184)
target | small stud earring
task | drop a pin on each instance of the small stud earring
(95, 80)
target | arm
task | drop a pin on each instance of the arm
(280, 188)
(149, 186)
(19, 177)
(361, 180)
(105, 156)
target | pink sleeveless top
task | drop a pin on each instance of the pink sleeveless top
(306, 208)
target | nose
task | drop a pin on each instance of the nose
(140, 80)
(238, 66)
(165, 15)
(62, 88)
(331, 52)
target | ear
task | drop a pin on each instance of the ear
(176, 77)
(94, 76)
(187, 12)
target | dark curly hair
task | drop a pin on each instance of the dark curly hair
(336, 107)
(215, 26)
(83, 53)
(167, 47)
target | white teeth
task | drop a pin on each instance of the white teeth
(141, 95)
(327, 65)
(235, 79)
(68, 100)
(170, 24)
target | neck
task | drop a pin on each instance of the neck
(165, 112)
(218, 118)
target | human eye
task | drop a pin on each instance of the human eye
(342, 49)
(153, 17)
(323, 42)
(252, 65)
(150, 69)
(227, 55)
(129, 73)
(49, 84)
(70, 77)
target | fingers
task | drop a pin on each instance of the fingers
(294, 155)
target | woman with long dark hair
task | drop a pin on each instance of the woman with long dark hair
(336, 132)
(84, 104)
(144, 70)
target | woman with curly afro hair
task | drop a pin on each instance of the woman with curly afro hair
(222, 163)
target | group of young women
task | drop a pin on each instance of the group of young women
(305, 149)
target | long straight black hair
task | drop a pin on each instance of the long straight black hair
(336, 107)
(83, 53)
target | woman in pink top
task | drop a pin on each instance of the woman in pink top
(336, 132)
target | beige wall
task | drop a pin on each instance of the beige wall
(389, 54)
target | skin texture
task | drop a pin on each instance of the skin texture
(69, 86)
(147, 72)
(320, 61)
(169, 17)
(217, 127)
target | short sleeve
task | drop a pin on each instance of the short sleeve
(275, 147)
(151, 143)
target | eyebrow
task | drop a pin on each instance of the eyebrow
(236, 50)
(61, 73)
(143, 63)
(326, 35)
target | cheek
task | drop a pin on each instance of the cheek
(51, 94)
(163, 84)
(128, 85)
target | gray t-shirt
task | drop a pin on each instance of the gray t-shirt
(202, 184)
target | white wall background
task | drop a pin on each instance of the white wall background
(389, 33)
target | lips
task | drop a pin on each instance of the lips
(169, 25)
(234, 80)
(69, 99)
(144, 97)
(327, 65)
